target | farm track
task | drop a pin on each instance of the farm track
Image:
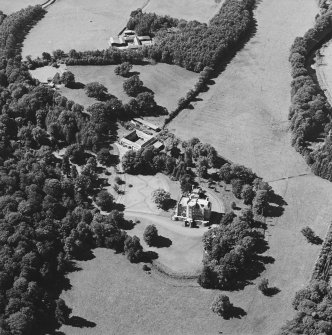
(48, 3)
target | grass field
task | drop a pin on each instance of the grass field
(247, 109)
(10, 6)
(88, 24)
(168, 82)
(83, 25)
(138, 198)
(200, 10)
(181, 248)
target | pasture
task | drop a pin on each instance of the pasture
(201, 10)
(180, 249)
(168, 82)
(88, 24)
(10, 6)
(245, 116)
(83, 25)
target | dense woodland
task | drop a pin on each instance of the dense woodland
(46, 213)
(196, 45)
(314, 311)
(310, 113)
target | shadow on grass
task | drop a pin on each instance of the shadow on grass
(236, 313)
(78, 322)
(169, 204)
(87, 255)
(271, 291)
(265, 259)
(162, 242)
(275, 211)
(76, 86)
(149, 256)
(127, 225)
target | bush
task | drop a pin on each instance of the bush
(311, 237)
(118, 180)
(263, 286)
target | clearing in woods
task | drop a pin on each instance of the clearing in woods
(168, 82)
(246, 111)
(88, 24)
(83, 25)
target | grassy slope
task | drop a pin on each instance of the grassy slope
(247, 109)
(82, 25)
(10, 6)
(200, 10)
(132, 302)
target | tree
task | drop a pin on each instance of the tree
(104, 157)
(68, 79)
(133, 249)
(150, 235)
(123, 69)
(133, 85)
(222, 306)
(311, 237)
(207, 278)
(105, 200)
(248, 194)
(62, 312)
(237, 185)
(146, 102)
(96, 90)
(260, 203)
(53, 187)
(129, 161)
(161, 198)
(263, 286)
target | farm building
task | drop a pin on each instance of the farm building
(117, 42)
(194, 208)
(137, 140)
(146, 124)
(129, 40)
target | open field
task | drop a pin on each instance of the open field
(121, 299)
(182, 249)
(168, 82)
(10, 6)
(138, 198)
(200, 10)
(88, 25)
(83, 25)
(247, 109)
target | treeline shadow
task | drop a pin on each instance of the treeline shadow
(235, 313)
(78, 322)
(76, 85)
